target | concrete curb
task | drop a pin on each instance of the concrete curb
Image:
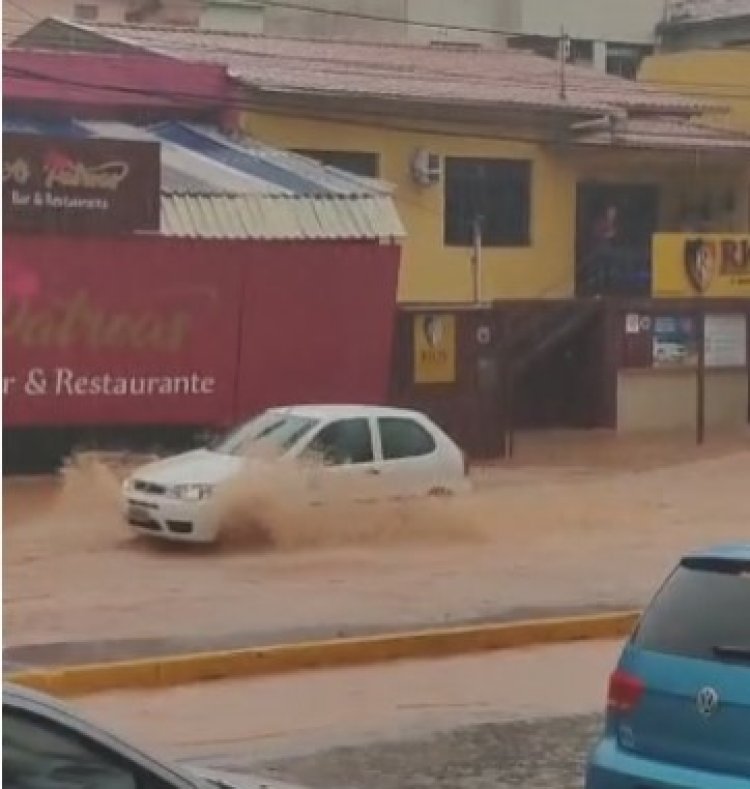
(265, 661)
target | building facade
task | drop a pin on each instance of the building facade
(577, 233)
(704, 24)
(609, 35)
(161, 277)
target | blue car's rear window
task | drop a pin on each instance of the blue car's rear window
(702, 611)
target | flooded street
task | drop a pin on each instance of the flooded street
(310, 711)
(571, 525)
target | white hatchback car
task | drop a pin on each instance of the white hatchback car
(369, 452)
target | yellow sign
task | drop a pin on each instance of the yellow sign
(434, 349)
(713, 265)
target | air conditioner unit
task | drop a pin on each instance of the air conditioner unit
(426, 167)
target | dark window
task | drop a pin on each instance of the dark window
(359, 163)
(495, 191)
(344, 442)
(702, 606)
(624, 60)
(86, 12)
(404, 438)
(581, 51)
(39, 753)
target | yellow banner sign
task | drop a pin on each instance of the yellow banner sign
(434, 349)
(714, 265)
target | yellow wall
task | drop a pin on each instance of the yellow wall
(723, 75)
(431, 271)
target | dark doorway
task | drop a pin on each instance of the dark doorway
(614, 227)
(567, 387)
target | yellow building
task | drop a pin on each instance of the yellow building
(712, 75)
(537, 151)
(567, 180)
(529, 189)
(528, 152)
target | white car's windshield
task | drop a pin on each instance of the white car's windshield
(276, 430)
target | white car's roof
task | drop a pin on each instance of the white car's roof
(343, 410)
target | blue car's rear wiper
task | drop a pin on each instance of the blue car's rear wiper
(732, 651)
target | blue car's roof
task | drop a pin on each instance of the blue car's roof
(739, 552)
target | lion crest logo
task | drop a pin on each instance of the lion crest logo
(700, 263)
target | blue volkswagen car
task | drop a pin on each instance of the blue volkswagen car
(678, 708)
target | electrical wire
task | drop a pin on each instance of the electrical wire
(25, 11)
(696, 89)
(311, 9)
(348, 14)
(229, 102)
(700, 89)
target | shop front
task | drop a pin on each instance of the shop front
(683, 357)
(133, 314)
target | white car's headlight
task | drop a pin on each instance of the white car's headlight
(127, 486)
(191, 492)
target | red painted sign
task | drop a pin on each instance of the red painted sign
(101, 331)
(159, 331)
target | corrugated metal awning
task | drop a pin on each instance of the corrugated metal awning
(279, 217)
(215, 187)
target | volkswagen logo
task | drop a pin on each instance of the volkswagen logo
(707, 702)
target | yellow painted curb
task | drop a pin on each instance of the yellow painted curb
(265, 661)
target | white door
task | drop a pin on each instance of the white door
(412, 461)
(349, 468)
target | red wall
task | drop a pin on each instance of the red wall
(241, 325)
(112, 81)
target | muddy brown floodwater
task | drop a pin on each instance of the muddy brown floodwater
(579, 521)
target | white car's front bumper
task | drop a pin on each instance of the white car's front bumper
(169, 518)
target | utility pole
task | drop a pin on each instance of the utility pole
(476, 259)
(700, 395)
(563, 54)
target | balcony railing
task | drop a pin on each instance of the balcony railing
(684, 265)
(615, 271)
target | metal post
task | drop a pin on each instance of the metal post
(505, 364)
(476, 259)
(564, 54)
(511, 405)
(700, 400)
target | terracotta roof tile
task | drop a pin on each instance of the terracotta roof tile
(483, 77)
(668, 134)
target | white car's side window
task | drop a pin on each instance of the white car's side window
(343, 442)
(38, 754)
(403, 438)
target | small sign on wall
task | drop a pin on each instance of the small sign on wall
(675, 341)
(434, 348)
(632, 323)
(726, 341)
